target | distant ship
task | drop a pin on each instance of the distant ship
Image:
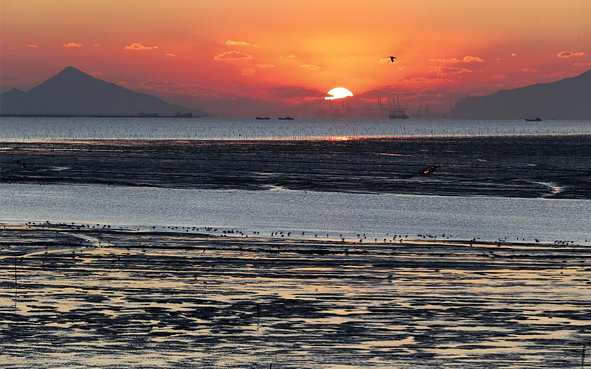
(537, 119)
(262, 118)
(285, 118)
(183, 115)
(397, 113)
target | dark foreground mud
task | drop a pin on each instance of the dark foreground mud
(76, 297)
(558, 167)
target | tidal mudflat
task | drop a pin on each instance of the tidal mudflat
(508, 166)
(82, 296)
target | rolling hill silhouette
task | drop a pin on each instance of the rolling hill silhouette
(569, 98)
(75, 93)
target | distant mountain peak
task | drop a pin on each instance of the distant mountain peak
(71, 72)
(73, 92)
(15, 91)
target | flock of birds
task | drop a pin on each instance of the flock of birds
(352, 237)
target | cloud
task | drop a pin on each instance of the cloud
(265, 66)
(529, 70)
(384, 61)
(232, 55)
(310, 66)
(570, 54)
(32, 46)
(171, 55)
(248, 72)
(445, 71)
(445, 61)
(240, 43)
(465, 59)
(288, 56)
(582, 64)
(72, 44)
(96, 45)
(513, 54)
(472, 59)
(136, 46)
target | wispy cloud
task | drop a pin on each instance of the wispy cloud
(32, 46)
(582, 64)
(96, 45)
(136, 46)
(232, 55)
(171, 55)
(310, 66)
(570, 54)
(384, 61)
(240, 43)
(248, 72)
(529, 70)
(472, 59)
(445, 61)
(445, 71)
(265, 66)
(72, 44)
(465, 59)
(513, 54)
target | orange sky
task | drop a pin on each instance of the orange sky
(236, 57)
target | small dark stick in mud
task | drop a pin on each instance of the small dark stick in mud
(15, 283)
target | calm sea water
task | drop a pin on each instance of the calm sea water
(489, 218)
(18, 129)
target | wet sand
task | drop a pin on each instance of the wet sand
(490, 166)
(174, 298)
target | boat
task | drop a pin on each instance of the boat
(537, 119)
(262, 118)
(397, 113)
(286, 118)
(183, 115)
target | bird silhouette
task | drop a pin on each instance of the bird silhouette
(392, 58)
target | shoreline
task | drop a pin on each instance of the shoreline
(232, 234)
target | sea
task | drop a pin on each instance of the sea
(43, 128)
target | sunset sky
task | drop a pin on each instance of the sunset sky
(242, 57)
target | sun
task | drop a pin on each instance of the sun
(338, 93)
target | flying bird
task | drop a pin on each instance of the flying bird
(392, 58)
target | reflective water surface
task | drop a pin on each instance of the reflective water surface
(26, 128)
(316, 213)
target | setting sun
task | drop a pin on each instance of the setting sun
(338, 93)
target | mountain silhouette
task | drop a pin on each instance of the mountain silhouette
(75, 93)
(569, 98)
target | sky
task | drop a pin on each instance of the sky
(261, 57)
